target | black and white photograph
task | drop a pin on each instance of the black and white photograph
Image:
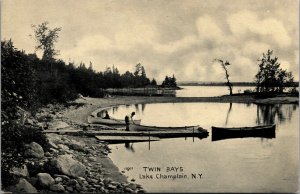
(149, 96)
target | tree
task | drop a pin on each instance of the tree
(224, 66)
(138, 69)
(153, 82)
(45, 39)
(270, 78)
(140, 76)
(91, 67)
(169, 82)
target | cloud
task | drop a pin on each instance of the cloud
(134, 34)
(83, 49)
(285, 65)
(181, 44)
(244, 22)
(208, 29)
(243, 67)
(178, 37)
(255, 49)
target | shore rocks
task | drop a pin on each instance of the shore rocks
(34, 150)
(22, 171)
(68, 166)
(64, 177)
(56, 125)
(29, 121)
(45, 180)
(63, 147)
(58, 179)
(54, 139)
(57, 188)
(23, 186)
(77, 147)
(75, 164)
(78, 172)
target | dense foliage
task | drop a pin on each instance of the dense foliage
(169, 82)
(18, 90)
(270, 77)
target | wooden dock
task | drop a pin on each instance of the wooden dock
(126, 138)
(159, 134)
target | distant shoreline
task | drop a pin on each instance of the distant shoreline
(251, 84)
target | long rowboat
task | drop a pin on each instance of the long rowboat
(99, 120)
(266, 131)
(136, 127)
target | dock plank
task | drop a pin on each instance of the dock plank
(62, 131)
(127, 138)
(159, 134)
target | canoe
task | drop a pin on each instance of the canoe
(264, 131)
(99, 120)
(137, 127)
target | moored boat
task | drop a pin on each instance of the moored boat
(265, 131)
(137, 127)
(99, 120)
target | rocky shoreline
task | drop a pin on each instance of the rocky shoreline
(72, 164)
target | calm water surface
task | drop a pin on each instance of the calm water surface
(231, 165)
(208, 91)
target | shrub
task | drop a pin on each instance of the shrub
(14, 136)
(294, 91)
(271, 78)
(248, 91)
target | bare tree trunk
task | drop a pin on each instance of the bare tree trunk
(227, 78)
(226, 74)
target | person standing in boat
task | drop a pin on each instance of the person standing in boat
(106, 115)
(127, 121)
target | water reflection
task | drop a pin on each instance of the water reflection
(115, 108)
(269, 114)
(228, 113)
(129, 146)
(139, 108)
(143, 107)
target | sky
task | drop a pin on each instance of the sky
(180, 37)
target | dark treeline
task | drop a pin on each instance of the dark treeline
(48, 81)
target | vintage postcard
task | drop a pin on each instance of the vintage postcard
(155, 96)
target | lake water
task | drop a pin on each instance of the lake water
(231, 165)
(209, 91)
